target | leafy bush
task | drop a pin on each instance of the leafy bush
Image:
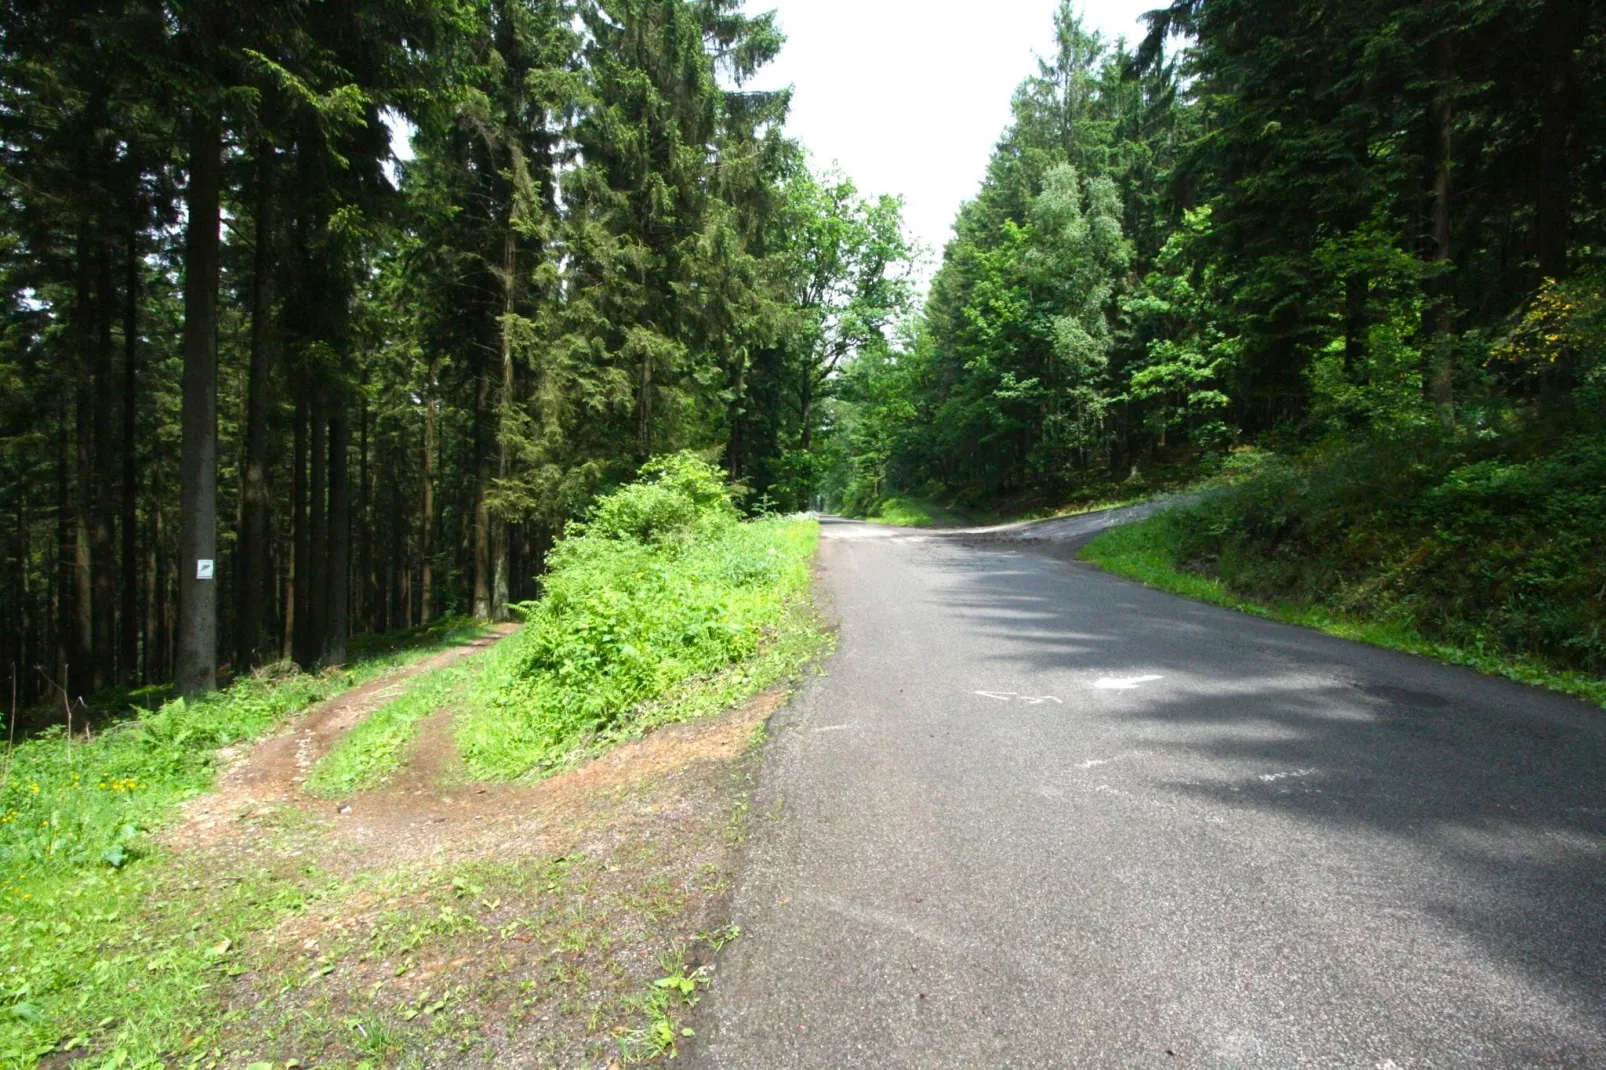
(1493, 545)
(662, 585)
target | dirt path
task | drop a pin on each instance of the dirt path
(270, 773)
(472, 924)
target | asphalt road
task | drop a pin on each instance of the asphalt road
(1037, 816)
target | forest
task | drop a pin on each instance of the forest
(414, 417)
(369, 392)
(1272, 224)
(372, 391)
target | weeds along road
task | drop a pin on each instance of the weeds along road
(1039, 816)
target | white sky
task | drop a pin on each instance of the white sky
(909, 96)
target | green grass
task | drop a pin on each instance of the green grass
(663, 604)
(631, 634)
(908, 512)
(77, 861)
(1152, 553)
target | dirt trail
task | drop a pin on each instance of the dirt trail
(270, 773)
(429, 809)
(582, 890)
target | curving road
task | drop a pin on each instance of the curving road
(1037, 816)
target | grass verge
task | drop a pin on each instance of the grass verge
(1152, 552)
(906, 512)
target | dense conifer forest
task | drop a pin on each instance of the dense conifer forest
(371, 391)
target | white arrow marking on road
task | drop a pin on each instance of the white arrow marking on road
(1001, 696)
(1123, 683)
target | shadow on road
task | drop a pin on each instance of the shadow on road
(1498, 790)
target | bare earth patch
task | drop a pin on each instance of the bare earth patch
(449, 924)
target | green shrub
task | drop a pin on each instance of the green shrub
(1496, 544)
(664, 584)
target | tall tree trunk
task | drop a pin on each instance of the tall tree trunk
(1558, 27)
(64, 623)
(427, 536)
(103, 556)
(83, 659)
(128, 658)
(482, 506)
(499, 581)
(155, 580)
(196, 669)
(337, 578)
(362, 589)
(252, 583)
(1441, 347)
(295, 606)
(317, 537)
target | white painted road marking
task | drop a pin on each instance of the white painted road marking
(1123, 683)
(1010, 696)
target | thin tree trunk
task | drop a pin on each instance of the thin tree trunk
(499, 582)
(1441, 348)
(153, 597)
(103, 556)
(196, 669)
(64, 610)
(128, 659)
(367, 584)
(337, 579)
(482, 510)
(317, 538)
(427, 537)
(252, 582)
(83, 656)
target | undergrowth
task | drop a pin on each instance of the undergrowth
(645, 608)
(906, 512)
(1488, 554)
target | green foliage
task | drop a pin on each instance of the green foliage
(664, 586)
(904, 513)
(1488, 552)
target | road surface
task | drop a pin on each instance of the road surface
(1038, 816)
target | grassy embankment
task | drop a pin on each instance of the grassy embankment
(663, 608)
(917, 511)
(1487, 554)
